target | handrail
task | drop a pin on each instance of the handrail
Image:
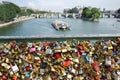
(63, 36)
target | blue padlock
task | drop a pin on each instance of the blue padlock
(27, 75)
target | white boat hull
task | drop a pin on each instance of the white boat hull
(60, 25)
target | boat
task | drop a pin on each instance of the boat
(60, 25)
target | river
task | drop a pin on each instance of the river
(43, 27)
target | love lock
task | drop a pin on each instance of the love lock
(14, 67)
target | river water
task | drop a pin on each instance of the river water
(43, 27)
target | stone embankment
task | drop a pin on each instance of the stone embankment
(16, 21)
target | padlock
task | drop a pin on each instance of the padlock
(69, 76)
(14, 67)
(73, 71)
(27, 75)
(96, 66)
(108, 61)
(0, 73)
(5, 65)
(15, 77)
(67, 63)
(42, 71)
(4, 77)
(110, 47)
(76, 60)
(11, 73)
(57, 55)
(6, 50)
(33, 49)
(118, 72)
(36, 58)
(48, 51)
(118, 62)
(64, 50)
(80, 71)
(23, 77)
(52, 68)
(29, 44)
(27, 68)
(19, 61)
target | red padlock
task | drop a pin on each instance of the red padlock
(27, 68)
(57, 55)
(96, 66)
(67, 63)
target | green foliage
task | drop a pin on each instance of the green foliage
(40, 12)
(71, 10)
(2, 12)
(86, 13)
(29, 11)
(26, 12)
(22, 13)
(118, 11)
(15, 7)
(93, 13)
(8, 11)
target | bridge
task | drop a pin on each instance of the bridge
(104, 14)
(72, 15)
(53, 37)
(108, 14)
(51, 15)
(46, 15)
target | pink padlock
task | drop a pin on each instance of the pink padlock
(4, 77)
(33, 49)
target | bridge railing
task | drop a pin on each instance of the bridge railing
(63, 36)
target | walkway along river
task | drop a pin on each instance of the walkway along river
(43, 27)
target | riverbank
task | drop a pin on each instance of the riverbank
(16, 21)
(90, 19)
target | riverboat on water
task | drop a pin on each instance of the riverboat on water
(60, 25)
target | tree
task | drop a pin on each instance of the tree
(40, 12)
(86, 13)
(29, 11)
(90, 14)
(2, 12)
(8, 11)
(71, 10)
(118, 11)
(95, 13)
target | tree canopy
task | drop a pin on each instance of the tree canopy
(91, 13)
(118, 11)
(8, 11)
(86, 13)
(71, 10)
(95, 13)
(26, 12)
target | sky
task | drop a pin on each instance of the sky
(59, 5)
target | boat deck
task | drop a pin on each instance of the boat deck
(60, 25)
